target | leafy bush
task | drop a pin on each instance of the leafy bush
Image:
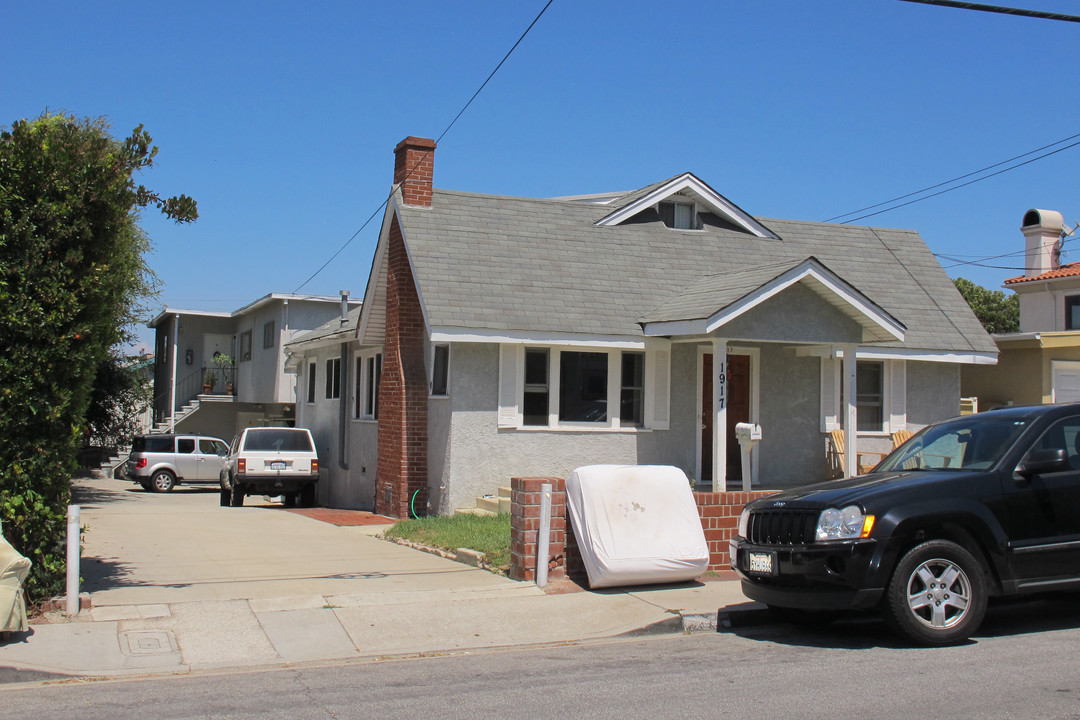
(72, 280)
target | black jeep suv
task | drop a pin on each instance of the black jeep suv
(973, 507)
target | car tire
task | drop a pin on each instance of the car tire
(145, 485)
(226, 497)
(237, 499)
(162, 481)
(307, 496)
(937, 594)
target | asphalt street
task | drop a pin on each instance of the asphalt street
(1019, 666)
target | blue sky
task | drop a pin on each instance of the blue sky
(280, 118)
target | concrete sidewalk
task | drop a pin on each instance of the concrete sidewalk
(179, 584)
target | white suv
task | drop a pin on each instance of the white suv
(271, 461)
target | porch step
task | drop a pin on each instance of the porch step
(472, 511)
(490, 504)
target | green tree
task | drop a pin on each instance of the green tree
(120, 396)
(72, 280)
(998, 312)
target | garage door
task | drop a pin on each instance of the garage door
(1066, 381)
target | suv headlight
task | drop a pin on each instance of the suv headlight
(846, 524)
(744, 521)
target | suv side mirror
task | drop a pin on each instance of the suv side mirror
(1041, 461)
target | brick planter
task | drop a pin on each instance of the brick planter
(719, 514)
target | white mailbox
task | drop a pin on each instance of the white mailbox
(747, 431)
(748, 435)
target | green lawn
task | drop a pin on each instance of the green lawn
(489, 534)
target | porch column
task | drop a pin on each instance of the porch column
(173, 371)
(849, 410)
(719, 427)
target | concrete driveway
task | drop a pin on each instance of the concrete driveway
(142, 548)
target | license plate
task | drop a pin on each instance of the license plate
(762, 563)
(279, 465)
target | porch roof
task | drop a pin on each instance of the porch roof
(711, 302)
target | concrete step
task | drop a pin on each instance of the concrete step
(472, 511)
(493, 504)
(505, 492)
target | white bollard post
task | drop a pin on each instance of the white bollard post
(73, 547)
(542, 540)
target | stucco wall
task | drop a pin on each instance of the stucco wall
(793, 450)
(933, 392)
(796, 315)
(1017, 379)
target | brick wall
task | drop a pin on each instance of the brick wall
(719, 513)
(414, 168)
(403, 390)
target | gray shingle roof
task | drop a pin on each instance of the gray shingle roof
(496, 263)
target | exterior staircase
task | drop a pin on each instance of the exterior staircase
(188, 409)
(489, 504)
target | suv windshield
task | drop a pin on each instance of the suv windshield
(277, 440)
(973, 443)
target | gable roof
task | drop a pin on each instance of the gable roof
(714, 300)
(502, 266)
(685, 185)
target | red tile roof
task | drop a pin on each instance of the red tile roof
(1070, 270)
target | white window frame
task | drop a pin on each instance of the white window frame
(695, 216)
(656, 390)
(311, 391)
(431, 372)
(333, 378)
(370, 362)
(894, 396)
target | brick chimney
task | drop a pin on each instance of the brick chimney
(414, 168)
(1042, 230)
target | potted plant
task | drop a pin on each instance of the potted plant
(209, 381)
(224, 365)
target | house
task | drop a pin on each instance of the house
(218, 372)
(507, 336)
(1041, 363)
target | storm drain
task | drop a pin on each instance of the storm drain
(148, 642)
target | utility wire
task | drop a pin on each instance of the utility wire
(955, 179)
(409, 174)
(957, 187)
(999, 9)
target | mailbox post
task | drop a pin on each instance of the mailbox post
(748, 435)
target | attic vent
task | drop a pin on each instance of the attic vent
(678, 215)
(1032, 217)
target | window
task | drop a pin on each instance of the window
(535, 407)
(213, 447)
(333, 379)
(678, 215)
(1072, 312)
(269, 340)
(372, 373)
(163, 350)
(245, 345)
(185, 445)
(358, 385)
(583, 387)
(632, 395)
(870, 396)
(440, 369)
(311, 382)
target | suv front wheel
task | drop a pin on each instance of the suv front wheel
(937, 594)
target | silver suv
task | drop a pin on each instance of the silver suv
(160, 462)
(271, 461)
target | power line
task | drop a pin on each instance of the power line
(439, 139)
(999, 9)
(955, 179)
(957, 187)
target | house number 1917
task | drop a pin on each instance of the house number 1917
(722, 380)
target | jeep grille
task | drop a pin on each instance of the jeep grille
(782, 527)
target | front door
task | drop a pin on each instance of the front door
(738, 410)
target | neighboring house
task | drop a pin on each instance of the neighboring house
(1041, 363)
(505, 336)
(254, 388)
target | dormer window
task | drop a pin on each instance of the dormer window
(679, 215)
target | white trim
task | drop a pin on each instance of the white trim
(717, 202)
(866, 353)
(431, 369)
(755, 400)
(510, 337)
(893, 395)
(364, 356)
